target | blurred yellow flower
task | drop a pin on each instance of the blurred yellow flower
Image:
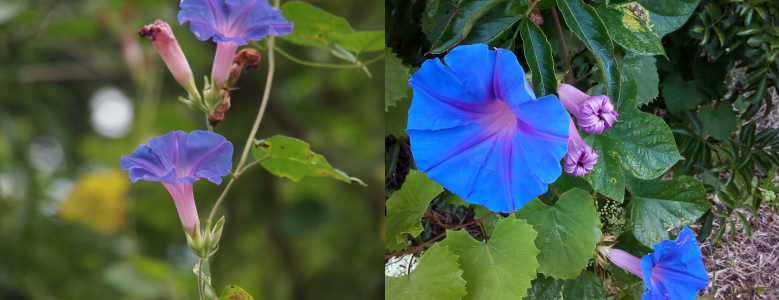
(98, 202)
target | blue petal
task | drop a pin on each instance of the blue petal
(510, 82)
(544, 138)
(450, 156)
(205, 16)
(675, 270)
(238, 21)
(257, 18)
(168, 148)
(209, 155)
(499, 154)
(143, 162)
(477, 81)
(179, 156)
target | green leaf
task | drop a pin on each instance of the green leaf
(396, 79)
(316, 27)
(641, 143)
(396, 118)
(437, 276)
(658, 205)
(234, 292)
(496, 23)
(293, 159)
(630, 27)
(643, 70)
(459, 21)
(359, 42)
(680, 95)
(453, 199)
(313, 26)
(406, 207)
(567, 232)
(546, 288)
(718, 123)
(538, 53)
(668, 15)
(584, 21)
(501, 268)
(586, 286)
(490, 222)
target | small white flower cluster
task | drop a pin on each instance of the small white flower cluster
(612, 216)
(398, 265)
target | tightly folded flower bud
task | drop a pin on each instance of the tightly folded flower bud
(162, 36)
(580, 158)
(594, 114)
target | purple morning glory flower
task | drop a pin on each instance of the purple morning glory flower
(675, 270)
(177, 160)
(594, 114)
(477, 128)
(231, 24)
(581, 158)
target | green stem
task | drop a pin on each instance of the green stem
(250, 140)
(200, 284)
(221, 198)
(322, 65)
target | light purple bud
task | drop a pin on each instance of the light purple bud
(223, 62)
(162, 37)
(580, 158)
(594, 114)
(626, 261)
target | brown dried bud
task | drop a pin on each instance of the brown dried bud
(535, 14)
(219, 113)
(244, 60)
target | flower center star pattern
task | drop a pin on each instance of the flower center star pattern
(477, 128)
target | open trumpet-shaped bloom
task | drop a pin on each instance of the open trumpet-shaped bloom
(477, 128)
(231, 24)
(177, 160)
(581, 158)
(594, 114)
(674, 271)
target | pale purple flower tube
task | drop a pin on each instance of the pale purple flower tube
(162, 36)
(177, 160)
(626, 261)
(581, 158)
(231, 24)
(594, 114)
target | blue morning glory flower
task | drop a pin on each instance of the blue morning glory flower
(231, 24)
(674, 271)
(477, 128)
(177, 160)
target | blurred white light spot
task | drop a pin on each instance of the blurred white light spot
(46, 155)
(57, 192)
(112, 113)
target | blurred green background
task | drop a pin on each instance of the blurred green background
(72, 226)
